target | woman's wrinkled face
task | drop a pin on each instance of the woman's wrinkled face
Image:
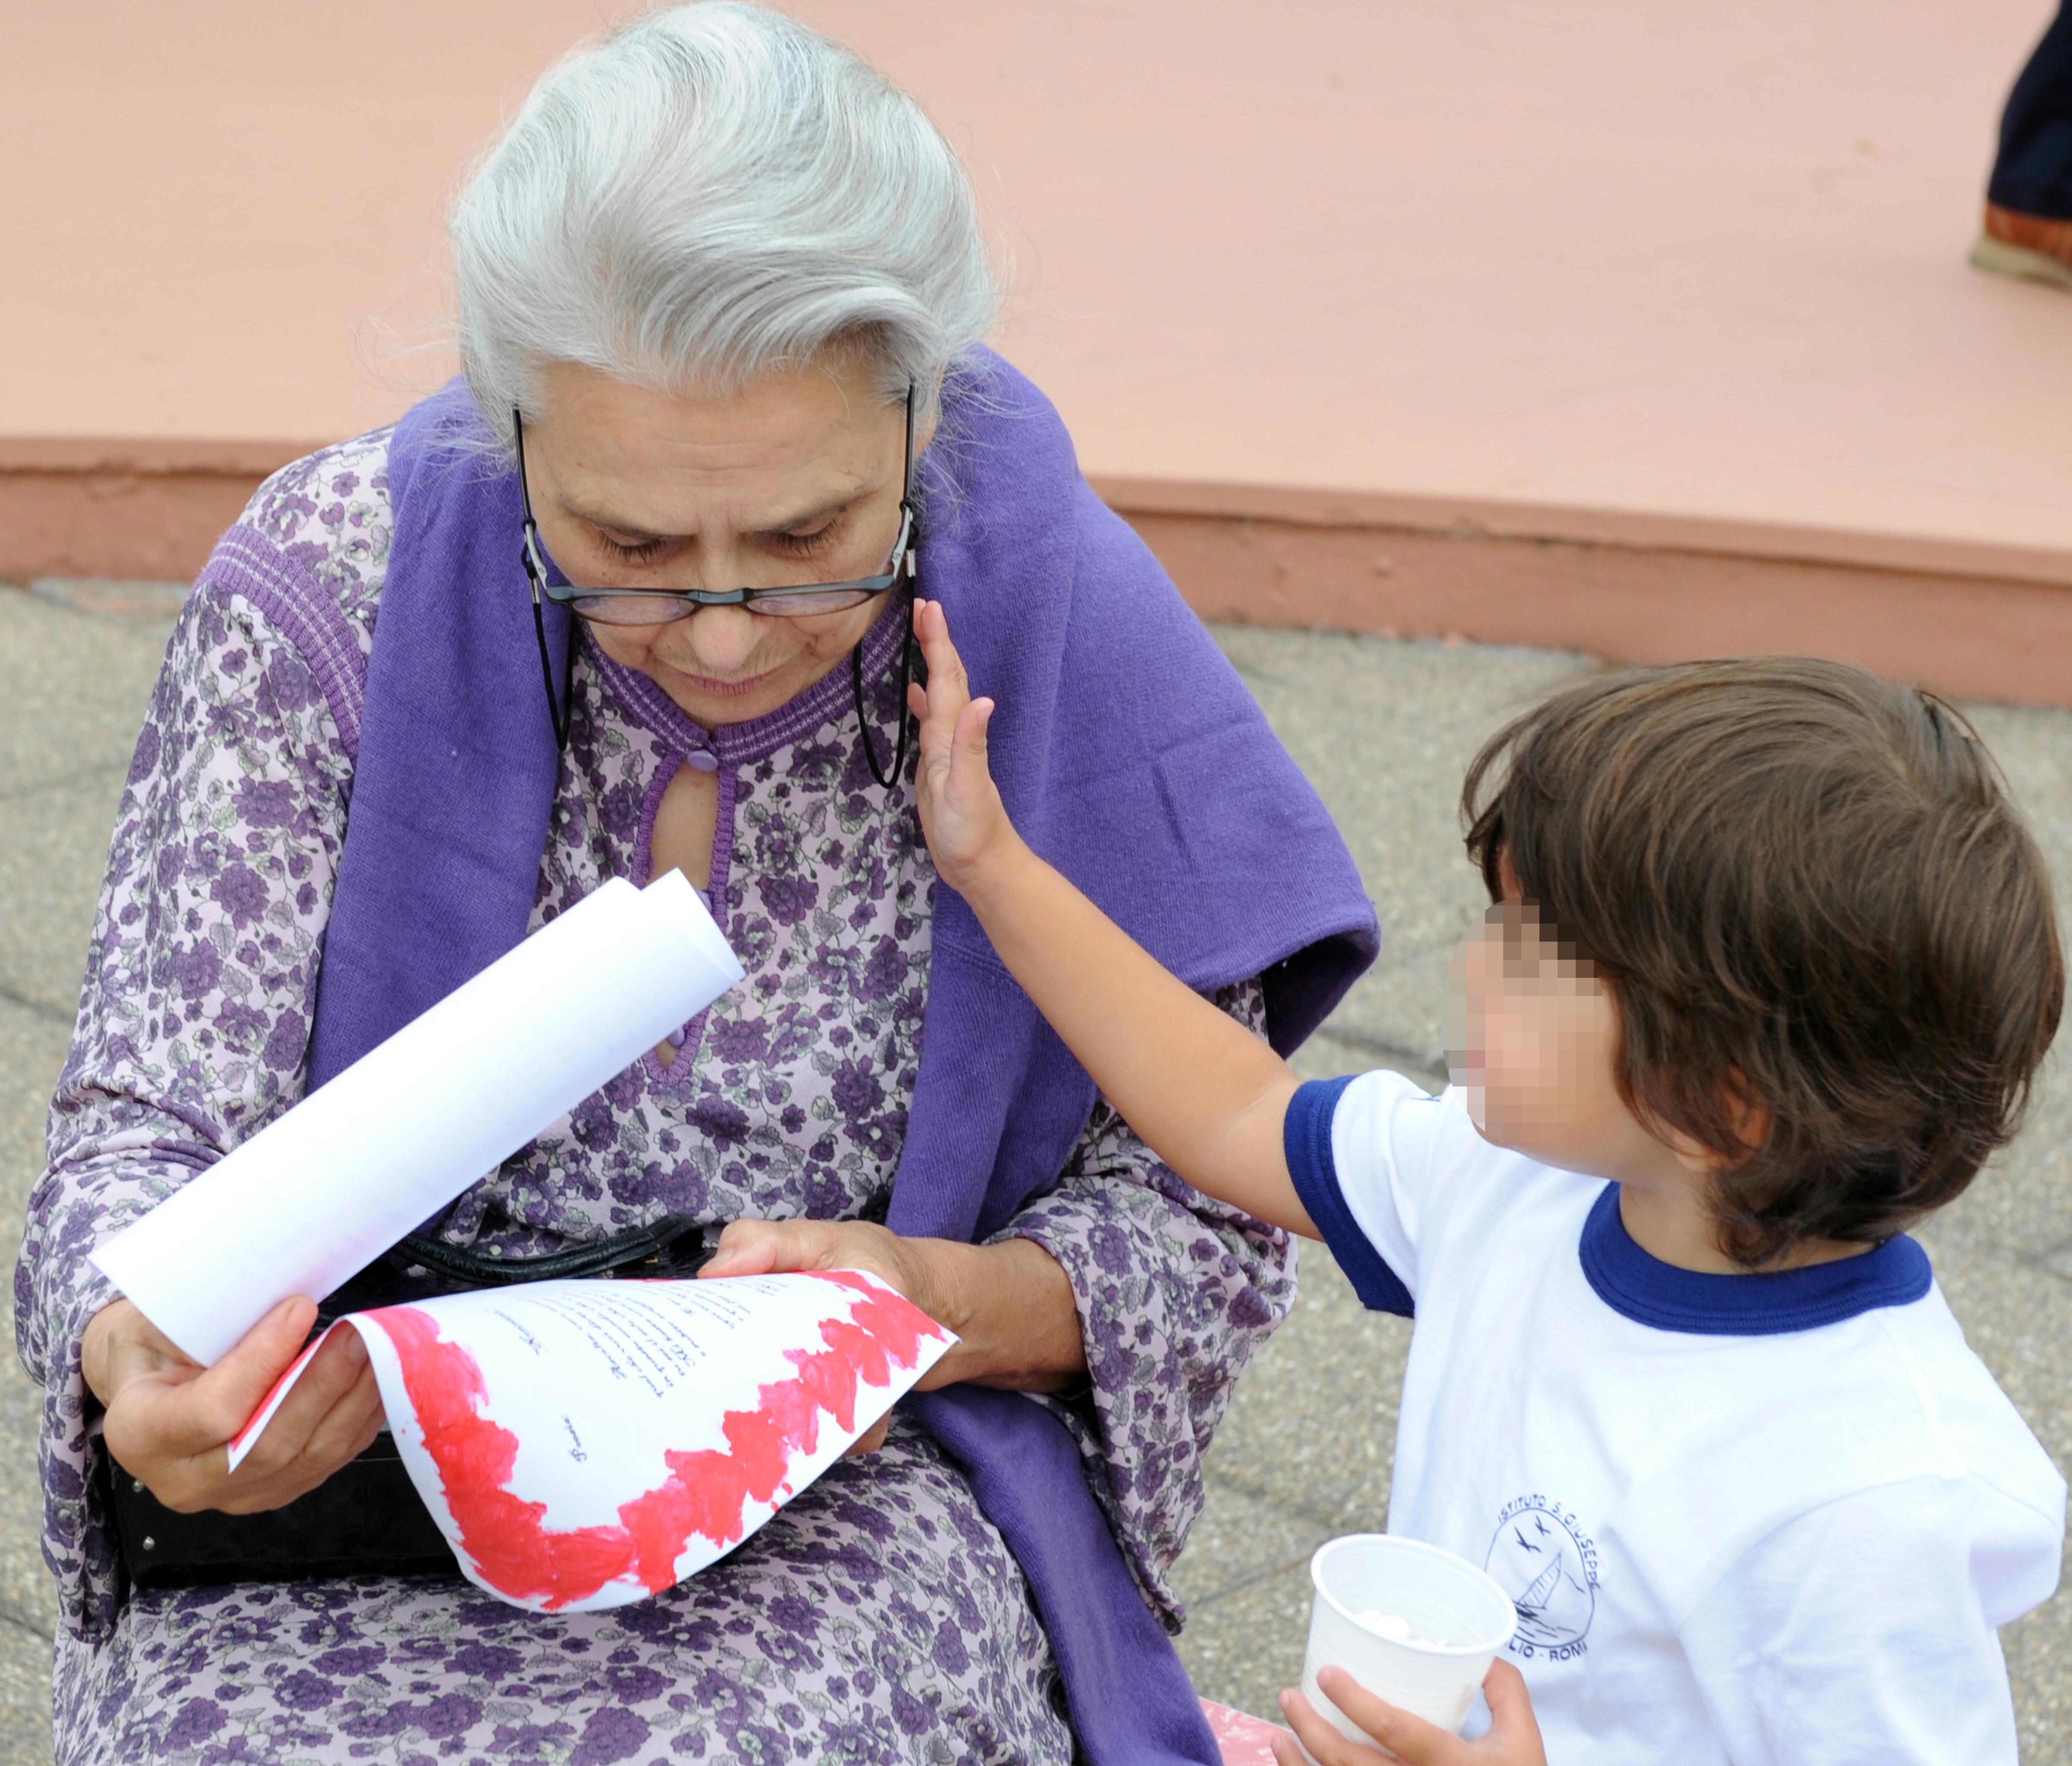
(1532, 1038)
(796, 480)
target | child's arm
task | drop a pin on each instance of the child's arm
(1203, 1092)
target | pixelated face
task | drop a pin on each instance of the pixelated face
(1531, 1037)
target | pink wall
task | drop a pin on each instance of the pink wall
(1703, 266)
(231, 219)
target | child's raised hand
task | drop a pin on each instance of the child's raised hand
(961, 812)
(1200, 1088)
(1513, 1738)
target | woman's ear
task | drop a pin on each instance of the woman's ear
(926, 423)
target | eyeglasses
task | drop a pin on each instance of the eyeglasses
(653, 607)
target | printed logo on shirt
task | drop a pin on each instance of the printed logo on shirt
(1541, 1557)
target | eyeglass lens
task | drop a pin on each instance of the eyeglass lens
(662, 610)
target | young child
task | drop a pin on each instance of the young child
(1771, 965)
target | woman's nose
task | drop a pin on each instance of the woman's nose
(721, 639)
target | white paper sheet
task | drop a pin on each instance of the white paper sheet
(585, 1444)
(322, 1191)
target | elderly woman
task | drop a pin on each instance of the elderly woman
(636, 596)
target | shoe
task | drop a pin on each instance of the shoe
(2026, 245)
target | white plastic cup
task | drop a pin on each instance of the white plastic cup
(1457, 1615)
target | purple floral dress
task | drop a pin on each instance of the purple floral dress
(879, 1617)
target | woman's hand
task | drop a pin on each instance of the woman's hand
(961, 812)
(169, 1421)
(1513, 1738)
(1011, 1304)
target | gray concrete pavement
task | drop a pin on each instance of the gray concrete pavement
(1384, 729)
(73, 686)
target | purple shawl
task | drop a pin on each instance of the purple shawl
(1129, 753)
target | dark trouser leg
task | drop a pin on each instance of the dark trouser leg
(2034, 173)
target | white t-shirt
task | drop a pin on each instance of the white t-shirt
(1745, 1518)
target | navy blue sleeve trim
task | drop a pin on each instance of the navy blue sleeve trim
(1306, 1134)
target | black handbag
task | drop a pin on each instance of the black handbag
(366, 1519)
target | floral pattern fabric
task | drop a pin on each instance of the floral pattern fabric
(879, 1617)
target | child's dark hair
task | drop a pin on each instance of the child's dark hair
(1806, 889)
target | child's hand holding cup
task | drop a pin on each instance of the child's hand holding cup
(1401, 1636)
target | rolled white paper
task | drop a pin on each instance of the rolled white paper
(321, 1192)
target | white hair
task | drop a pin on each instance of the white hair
(711, 193)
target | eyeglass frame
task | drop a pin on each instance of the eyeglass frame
(903, 561)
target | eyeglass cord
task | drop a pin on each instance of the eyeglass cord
(560, 710)
(885, 781)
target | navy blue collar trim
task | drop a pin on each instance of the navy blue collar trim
(1651, 1292)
